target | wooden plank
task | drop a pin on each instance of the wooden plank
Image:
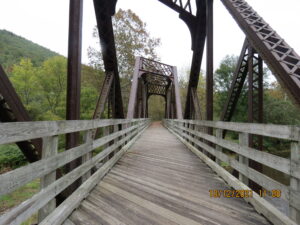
(261, 205)
(50, 145)
(21, 131)
(295, 183)
(244, 141)
(174, 217)
(205, 213)
(276, 131)
(252, 174)
(88, 140)
(68, 222)
(273, 161)
(149, 188)
(27, 208)
(14, 179)
(66, 208)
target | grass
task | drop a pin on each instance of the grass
(15, 198)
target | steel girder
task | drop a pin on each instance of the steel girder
(104, 10)
(153, 78)
(237, 84)
(283, 61)
(196, 22)
(12, 110)
(198, 32)
(180, 6)
(74, 83)
(255, 105)
(250, 63)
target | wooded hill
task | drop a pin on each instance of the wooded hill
(14, 47)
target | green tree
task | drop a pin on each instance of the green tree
(53, 83)
(132, 39)
(25, 82)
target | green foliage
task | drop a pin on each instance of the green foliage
(17, 197)
(11, 156)
(223, 78)
(131, 38)
(52, 78)
(13, 48)
(156, 107)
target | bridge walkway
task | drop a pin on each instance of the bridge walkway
(160, 181)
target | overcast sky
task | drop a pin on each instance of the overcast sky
(46, 22)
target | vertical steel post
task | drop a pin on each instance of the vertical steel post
(133, 91)
(177, 95)
(209, 62)
(74, 76)
(255, 105)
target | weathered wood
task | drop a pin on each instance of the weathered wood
(159, 182)
(295, 183)
(20, 131)
(252, 174)
(14, 179)
(261, 205)
(88, 140)
(219, 134)
(276, 131)
(61, 213)
(273, 161)
(50, 145)
(244, 141)
(68, 222)
(27, 208)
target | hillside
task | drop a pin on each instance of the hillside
(14, 47)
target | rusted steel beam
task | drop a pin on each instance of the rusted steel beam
(196, 104)
(73, 81)
(198, 33)
(255, 106)
(134, 89)
(104, 10)
(177, 94)
(209, 61)
(178, 6)
(237, 84)
(74, 68)
(283, 61)
(12, 110)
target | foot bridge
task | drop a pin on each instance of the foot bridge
(116, 169)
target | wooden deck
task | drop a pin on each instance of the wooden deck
(159, 181)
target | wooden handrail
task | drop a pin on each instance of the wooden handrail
(193, 134)
(115, 143)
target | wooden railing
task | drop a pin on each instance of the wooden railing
(192, 133)
(117, 136)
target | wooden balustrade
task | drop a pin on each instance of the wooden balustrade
(93, 168)
(202, 143)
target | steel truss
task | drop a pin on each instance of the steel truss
(12, 110)
(154, 78)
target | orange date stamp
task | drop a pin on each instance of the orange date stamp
(231, 193)
(243, 193)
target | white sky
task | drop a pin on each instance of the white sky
(45, 22)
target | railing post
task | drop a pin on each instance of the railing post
(105, 133)
(87, 139)
(219, 135)
(116, 129)
(294, 202)
(50, 145)
(244, 141)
